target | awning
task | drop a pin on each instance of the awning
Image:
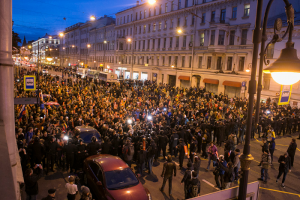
(232, 83)
(186, 78)
(211, 81)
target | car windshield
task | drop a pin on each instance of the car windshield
(86, 136)
(119, 179)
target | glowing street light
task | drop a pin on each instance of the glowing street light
(179, 31)
(49, 59)
(129, 40)
(50, 37)
(92, 18)
(151, 2)
(172, 66)
(29, 47)
(73, 46)
(64, 48)
(247, 70)
(61, 34)
(88, 45)
(104, 41)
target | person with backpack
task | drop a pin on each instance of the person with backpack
(265, 162)
(193, 186)
(187, 177)
(228, 176)
(128, 151)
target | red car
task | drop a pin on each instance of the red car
(110, 178)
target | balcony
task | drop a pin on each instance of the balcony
(170, 48)
(183, 48)
(163, 49)
(176, 48)
(233, 47)
(201, 48)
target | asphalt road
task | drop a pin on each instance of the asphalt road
(271, 190)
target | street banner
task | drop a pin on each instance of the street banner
(285, 94)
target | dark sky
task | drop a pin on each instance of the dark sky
(35, 18)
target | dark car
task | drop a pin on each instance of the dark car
(86, 133)
(109, 177)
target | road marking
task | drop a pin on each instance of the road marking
(285, 146)
(256, 139)
(279, 191)
(210, 184)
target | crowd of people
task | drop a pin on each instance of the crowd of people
(139, 120)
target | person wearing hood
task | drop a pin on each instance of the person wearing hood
(284, 167)
(236, 164)
(187, 177)
(265, 162)
(193, 186)
(167, 173)
(272, 148)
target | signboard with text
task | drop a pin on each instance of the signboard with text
(285, 94)
(29, 83)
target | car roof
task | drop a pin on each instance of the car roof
(85, 128)
(109, 162)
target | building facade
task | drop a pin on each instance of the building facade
(46, 47)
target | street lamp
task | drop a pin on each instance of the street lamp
(179, 30)
(104, 41)
(61, 34)
(129, 40)
(50, 37)
(287, 63)
(92, 18)
(152, 2)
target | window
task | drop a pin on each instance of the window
(223, 16)
(171, 25)
(165, 43)
(127, 18)
(177, 41)
(145, 14)
(183, 61)
(149, 12)
(171, 41)
(246, 10)
(179, 4)
(170, 60)
(231, 37)
(234, 12)
(148, 47)
(140, 14)
(154, 11)
(136, 16)
(266, 81)
(173, 6)
(208, 62)
(160, 8)
(159, 26)
(193, 20)
(178, 22)
(175, 61)
(153, 43)
(186, 3)
(229, 63)
(157, 60)
(201, 39)
(184, 41)
(185, 21)
(166, 25)
(144, 29)
(241, 63)
(163, 60)
(144, 44)
(221, 37)
(203, 18)
(158, 45)
(166, 7)
(140, 29)
(149, 27)
(212, 37)
(270, 51)
(200, 62)
(244, 37)
(190, 61)
(219, 63)
(154, 27)
(213, 15)
(131, 16)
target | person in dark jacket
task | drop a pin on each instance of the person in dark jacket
(193, 148)
(174, 143)
(51, 152)
(162, 141)
(193, 186)
(69, 150)
(186, 178)
(197, 164)
(181, 151)
(93, 147)
(80, 152)
(141, 158)
(228, 176)
(284, 167)
(51, 195)
(167, 173)
(37, 150)
(31, 183)
(292, 151)
(272, 148)
(106, 146)
(128, 152)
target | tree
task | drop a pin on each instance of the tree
(15, 40)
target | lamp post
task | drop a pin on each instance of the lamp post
(86, 54)
(61, 35)
(285, 70)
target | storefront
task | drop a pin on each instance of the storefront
(127, 74)
(184, 81)
(211, 85)
(144, 76)
(135, 75)
(232, 88)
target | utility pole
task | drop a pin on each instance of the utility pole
(9, 157)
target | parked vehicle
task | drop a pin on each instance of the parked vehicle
(109, 177)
